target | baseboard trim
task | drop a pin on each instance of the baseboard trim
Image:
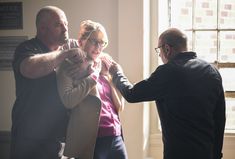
(5, 136)
(5, 142)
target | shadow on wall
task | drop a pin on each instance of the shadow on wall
(5, 138)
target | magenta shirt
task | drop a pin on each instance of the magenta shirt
(109, 121)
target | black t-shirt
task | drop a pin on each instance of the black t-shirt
(38, 112)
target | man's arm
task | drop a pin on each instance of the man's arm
(149, 89)
(120, 81)
(42, 64)
(72, 90)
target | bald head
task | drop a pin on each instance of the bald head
(45, 13)
(52, 27)
(175, 38)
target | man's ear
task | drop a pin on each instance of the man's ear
(167, 50)
(170, 52)
(43, 27)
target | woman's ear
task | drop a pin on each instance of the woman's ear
(80, 43)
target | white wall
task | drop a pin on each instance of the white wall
(123, 20)
(131, 56)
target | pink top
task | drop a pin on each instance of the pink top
(109, 121)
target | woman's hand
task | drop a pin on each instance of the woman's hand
(106, 59)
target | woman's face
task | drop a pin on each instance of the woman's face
(94, 45)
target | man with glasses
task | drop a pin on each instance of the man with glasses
(189, 96)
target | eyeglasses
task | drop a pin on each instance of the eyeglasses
(97, 43)
(157, 49)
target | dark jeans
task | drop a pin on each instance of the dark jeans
(110, 147)
(34, 149)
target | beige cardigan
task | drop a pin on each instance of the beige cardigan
(85, 105)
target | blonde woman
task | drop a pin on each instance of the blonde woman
(94, 130)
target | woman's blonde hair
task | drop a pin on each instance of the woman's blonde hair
(87, 27)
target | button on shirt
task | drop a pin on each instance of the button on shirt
(109, 121)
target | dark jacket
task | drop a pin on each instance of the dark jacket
(190, 100)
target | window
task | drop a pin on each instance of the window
(210, 26)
